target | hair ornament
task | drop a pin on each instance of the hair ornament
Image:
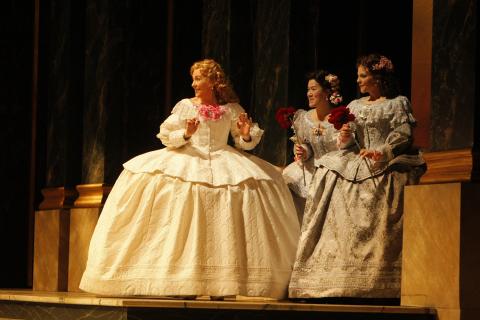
(335, 97)
(383, 64)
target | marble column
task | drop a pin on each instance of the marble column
(65, 23)
(454, 61)
(270, 75)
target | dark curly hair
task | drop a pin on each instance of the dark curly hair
(383, 72)
(330, 82)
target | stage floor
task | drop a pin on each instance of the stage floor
(201, 308)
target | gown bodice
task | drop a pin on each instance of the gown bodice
(318, 137)
(206, 157)
(385, 126)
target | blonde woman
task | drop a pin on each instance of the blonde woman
(198, 217)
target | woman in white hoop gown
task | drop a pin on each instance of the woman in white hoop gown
(198, 217)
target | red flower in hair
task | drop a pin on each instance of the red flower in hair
(340, 116)
(284, 116)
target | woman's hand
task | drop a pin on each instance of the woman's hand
(300, 153)
(190, 128)
(345, 135)
(244, 124)
(371, 154)
(345, 131)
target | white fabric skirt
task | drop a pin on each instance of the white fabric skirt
(161, 235)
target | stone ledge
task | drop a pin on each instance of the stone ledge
(451, 166)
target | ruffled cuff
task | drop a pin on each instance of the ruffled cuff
(255, 135)
(176, 139)
(387, 153)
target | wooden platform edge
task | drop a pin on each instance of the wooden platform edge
(241, 303)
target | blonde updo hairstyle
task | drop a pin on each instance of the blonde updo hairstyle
(222, 88)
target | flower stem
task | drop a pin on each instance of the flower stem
(366, 162)
(303, 170)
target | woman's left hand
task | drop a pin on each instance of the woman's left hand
(244, 124)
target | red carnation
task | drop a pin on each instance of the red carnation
(340, 116)
(284, 116)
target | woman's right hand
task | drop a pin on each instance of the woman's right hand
(300, 153)
(191, 127)
(344, 136)
(345, 131)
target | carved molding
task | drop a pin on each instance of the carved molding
(92, 195)
(451, 166)
(57, 198)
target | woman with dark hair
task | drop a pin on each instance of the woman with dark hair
(198, 217)
(323, 93)
(351, 237)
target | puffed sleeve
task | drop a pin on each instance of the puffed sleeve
(173, 128)
(255, 132)
(401, 124)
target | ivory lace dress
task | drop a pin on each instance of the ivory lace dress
(351, 237)
(198, 217)
(317, 138)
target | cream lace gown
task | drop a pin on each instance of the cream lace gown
(198, 217)
(351, 237)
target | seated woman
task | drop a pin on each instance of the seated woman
(351, 238)
(198, 217)
(311, 138)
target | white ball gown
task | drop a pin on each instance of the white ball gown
(198, 217)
